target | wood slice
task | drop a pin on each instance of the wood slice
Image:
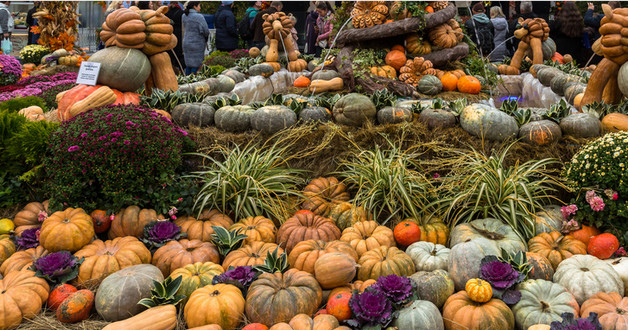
(441, 57)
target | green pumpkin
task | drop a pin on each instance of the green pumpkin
(420, 315)
(125, 69)
(573, 90)
(558, 84)
(437, 118)
(549, 219)
(581, 125)
(465, 258)
(435, 286)
(429, 84)
(236, 75)
(225, 84)
(196, 114)
(119, 293)
(540, 132)
(394, 115)
(346, 214)
(314, 114)
(549, 48)
(354, 110)
(313, 64)
(262, 69)
(325, 75)
(200, 87)
(542, 302)
(545, 75)
(234, 119)
(491, 123)
(273, 118)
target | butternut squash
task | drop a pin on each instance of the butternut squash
(293, 55)
(319, 86)
(100, 97)
(615, 122)
(162, 72)
(598, 81)
(159, 39)
(273, 54)
(156, 318)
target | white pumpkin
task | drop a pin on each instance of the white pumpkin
(501, 234)
(621, 267)
(421, 315)
(542, 302)
(585, 275)
(428, 256)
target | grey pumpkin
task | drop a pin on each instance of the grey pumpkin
(273, 118)
(197, 114)
(437, 118)
(493, 124)
(354, 110)
(234, 119)
(394, 115)
(581, 125)
(124, 69)
(540, 132)
(435, 286)
(315, 114)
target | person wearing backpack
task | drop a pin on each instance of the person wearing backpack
(481, 30)
(245, 29)
(226, 31)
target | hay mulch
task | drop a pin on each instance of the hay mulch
(48, 321)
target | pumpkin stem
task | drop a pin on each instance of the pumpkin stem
(190, 249)
(544, 306)
(488, 234)
(584, 269)
(433, 252)
(620, 311)
(215, 293)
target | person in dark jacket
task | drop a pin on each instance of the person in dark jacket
(525, 9)
(30, 22)
(176, 55)
(310, 32)
(566, 31)
(258, 37)
(195, 34)
(594, 20)
(250, 14)
(226, 30)
(481, 29)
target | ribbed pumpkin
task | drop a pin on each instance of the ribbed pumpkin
(542, 302)
(464, 259)
(323, 194)
(420, 315)
(256, 229)
(611, 310)
(460, 312)
(278, 297)
(541, 267)
(68, 230)
(479, 290)
(201, 228)
(502, 235)
(303, 321)
(234, 119)
(305, 254)
(545, 75)
(432, 230)
(221, 304)
(549, 219)
(428, 256)
(368, 235)
(334, 269)
(7, 247)
(124, 69)
(250, 254)
(429, 84)
(621, 267)
(28, 217)
(573, 90)
(314, 114)
(485, 121)
(446, 35)
(394, 115)
(194, 276)
(368, 13)
(347, 214)
(556, 247)
(615, 122)
(273, 118)
(354, 110)
(581, 125)
(176, 254)
(540, 132)
(108, 257)
(585, 275)
(303, 226)
(385, 71)
(360, 286)
(119, 293)
(396, 59)
(414, 69)
(415, 46)
(193, 114)
(21, 260)
(131, 221)
(435, 286)
(76, 307)
(22, 295)
(384, 261)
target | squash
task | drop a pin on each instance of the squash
(7, 247)
(124, 69)
(194, 276)
(464, 259)
(130, 221)
(301, 82)
(406, 233)
(581, 125)
(429, 84)
(250, 255)
(479, 290)
(493, 230)
(412, 71)
(76, 307)
(542, 302)
(585, 275)
(346, 214)
(549, 219)
(254, 52)
(21, 260)
(492, 124)
(541, 267)
(193, 114)
(615, 122)
(611, 310)
(384, 261)
(556, 247)
(162, 72)
(58, 295)
(385, 71)
(225, 84)
(256, 229)
(126, 98)
(449, 82)
(435, 286)
(559, 83)
(354, 109)
(29, 216)
(221, 304)
(82, 98)
(273, 118)
(235, 75)
(573, 90)
(119, 293)
(69, 230)
(428, 256)
(446, 35)
(603, 246)
(621, 267)
(235, 119)
(394, 115)
(263, 69)
(540, 132)
(432, 229)
(272, 55)
(201, 228)
(156, 318)
(414, 46)
(545, 75)
(334, 269)
(368, 13)
(585, 233)
(366, 236)
(469, 84)
(303, 321)
(434, 118)
(176, 254)
(320, 86)
(460, 312)
(305, 254)
(22, 295)
(297, 65)
(396, 59)
(338, 306)
(314, 115)
(325, 75)
(321, 195)
(32, 113)
(303, 226)
(420, 315)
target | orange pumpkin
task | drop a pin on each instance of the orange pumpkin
(585, 233)
(469, 84)
(201, 228)
(177, 254)
(396, 59)
(338, 306)
(368, 235)
(101, 220)
(429, 9)
(250, 254)
(357, 285)
(22, 259)
(301, 82)
(59, 294)
(460, 312)
(305, 254)
(556, 247)
(398, 47)
(385, 71)
(479, 290)
(76, 307)
(22, 295)
(256, 229)
(322, 194)
(407, 232)
(68, 230)
(131, 221)
(449, 81)
(611, 309)
(255, 326)
(334, 269)
(433, 230)
(31, 216)
(306, 226)
(603, 245)
(163, 113)
(221, 304)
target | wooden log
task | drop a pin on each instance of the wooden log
(396, 28)
(441, 57)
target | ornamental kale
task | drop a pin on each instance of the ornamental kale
(28, 240)
(569, 323)
(57, 267)
(158, 233)
(397, 289)
(241, 276)
(502, 277)
(370, 308)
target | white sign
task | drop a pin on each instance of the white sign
(88, 73)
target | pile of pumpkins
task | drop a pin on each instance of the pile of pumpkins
(332, 246)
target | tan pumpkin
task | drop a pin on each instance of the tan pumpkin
(257, 229)
(131, 221)
(305, 254)
(446, 35)
(384, 261)
(368, 13)
(22, 295)
(250, 254)
(221, 304)
(82, 98)
(460, 312)
(177, 254)
(334, 269)
(385, 71)
(415, 45)
(432, 230)
(615, 122)
(322, 194)
(21, 260)
(556, 247)
(7, 247)
(68, 230)
(108, 257)
(297, 66)
(415, 69)
(201, 228)
(29, 216)
(304, 226)
(32, 113)
(156, 318)
(611, 310)
(368, 235)
(303, 322)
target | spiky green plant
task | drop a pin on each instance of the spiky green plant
(164, 293)
(387, 183)
(509, 106)
(456, 106)
(599, 109)
(227, 241)
(245, 63)
(522, 116)
(226, 101)
(518, 260)
(327, 101)
(480, 186)
(274, 99)
(167, 99)
(383, 98)
(418, 107)
(274, 263)
(248, 181)
(557, 111)
(439, 103)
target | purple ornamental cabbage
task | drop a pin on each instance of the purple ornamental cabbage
(57, 267)
(28, 240)
(500, 274)
(569, 323)
(395, 288)
(158, 233)
(245, 275)
(370, 308)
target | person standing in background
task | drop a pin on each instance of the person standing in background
(176, 54)
(143, 5)
(567, 32)
(6, 20)
(481, 30)
(195, 34)
(501, 30)
(226, 31)
(324, 26)
(249, 16)
(310, 29)
(259, 37)
(31, 21)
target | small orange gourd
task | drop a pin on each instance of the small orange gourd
(469, 84)
(479, 290)
(396, 59)
(338, 306)
(449, 81)
(76, 307)
(301, 82)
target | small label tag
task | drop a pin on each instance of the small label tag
(88, 73)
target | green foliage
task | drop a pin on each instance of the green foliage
(227, 241)
(613, 218)
(341, 15)
(166, 99)
(11, 192)
(224, 101)
(570, 68)
(226, 61)
(601, 109)
(557, 111)
(274, 263)
(33, 53)
(455, 106)
(327, 100)
(164, 293)
(511, 107)
(478, 65)
(518, 260)
(17, 104)
(238, 7)
(24, 152)
(246, 62)
(205, 72)
(383, 98)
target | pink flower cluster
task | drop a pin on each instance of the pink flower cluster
(596, 202)
(568, 211)
(10, 65)
(612, 194)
